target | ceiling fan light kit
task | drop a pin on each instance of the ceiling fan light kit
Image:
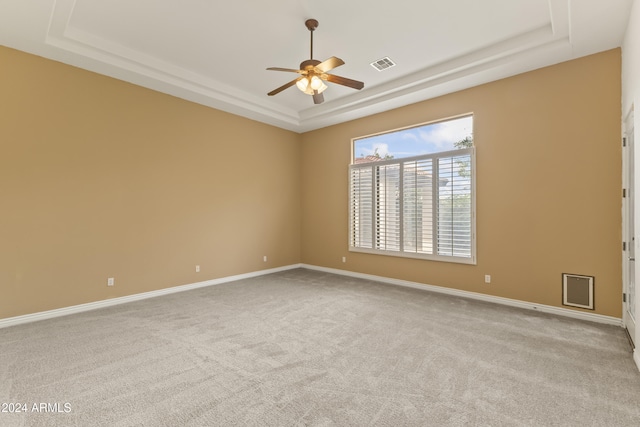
(310, 84)
(313, 73)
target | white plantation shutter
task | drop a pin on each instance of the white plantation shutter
(387, 207)
(454, 208)
(361, 208)
(418, 207)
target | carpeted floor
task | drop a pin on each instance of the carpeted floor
(302, 348)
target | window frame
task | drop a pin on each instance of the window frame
(374, 165)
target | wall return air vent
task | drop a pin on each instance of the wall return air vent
(383, 64)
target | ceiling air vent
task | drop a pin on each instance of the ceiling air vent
(383, 64)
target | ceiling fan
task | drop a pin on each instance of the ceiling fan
(313, 73)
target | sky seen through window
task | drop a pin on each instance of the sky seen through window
(416, 141)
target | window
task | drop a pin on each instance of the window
(412, 192)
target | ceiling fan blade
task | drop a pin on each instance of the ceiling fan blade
(318, 98)
(283, 87)
(290, 70)
(344, 81)
(329, 64)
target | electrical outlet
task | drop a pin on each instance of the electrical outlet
(487, 278)
(197, 269)
(264, 258)
(344, 259)
(111, 281)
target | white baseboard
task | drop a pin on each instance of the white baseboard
(12, 321)
(27, 318)
(478, 296)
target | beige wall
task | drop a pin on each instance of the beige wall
(548, 185)
(100, 178)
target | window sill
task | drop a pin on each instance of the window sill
(426, 257)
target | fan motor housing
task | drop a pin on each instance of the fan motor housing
(311, 24)
(309, 63)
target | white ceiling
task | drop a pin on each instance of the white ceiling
(216, 53)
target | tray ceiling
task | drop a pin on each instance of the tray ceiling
(216, 53)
